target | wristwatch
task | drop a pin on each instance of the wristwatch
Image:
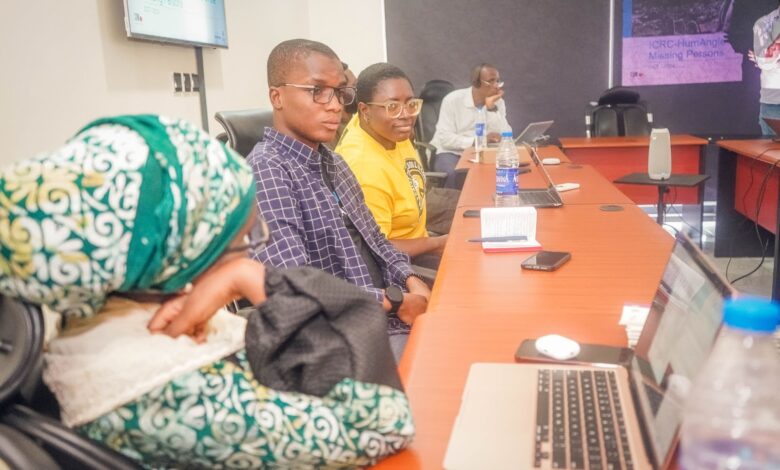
(395, 296)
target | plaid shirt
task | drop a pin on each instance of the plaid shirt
(305, 217)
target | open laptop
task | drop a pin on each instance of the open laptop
(530, 134)
(605, 416)
(540, 197)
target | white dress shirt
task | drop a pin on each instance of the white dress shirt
(457, 117)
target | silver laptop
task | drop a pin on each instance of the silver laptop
(565, 416)
(530, 134)
(533, 132)
(540, 197)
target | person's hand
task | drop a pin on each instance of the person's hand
(417, 286)
(752, 56)
(441, 242)
(493, 137)
(490, 101)
(413, 306)
(222, 283)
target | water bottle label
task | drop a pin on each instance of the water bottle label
(506, 181)
(479, 129)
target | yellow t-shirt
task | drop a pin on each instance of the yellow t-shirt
(393, 181)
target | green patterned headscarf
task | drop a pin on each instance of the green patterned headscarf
(130, 203)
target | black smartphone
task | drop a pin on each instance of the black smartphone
(589, 354)
(471, 213)
(546, 260)
(522, 171)
(524, 164)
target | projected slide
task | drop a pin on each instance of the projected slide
(186, 21)
(668, 42)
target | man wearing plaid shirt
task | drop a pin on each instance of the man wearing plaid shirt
(311, 200)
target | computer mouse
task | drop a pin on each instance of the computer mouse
(551, 161)
(557, 347)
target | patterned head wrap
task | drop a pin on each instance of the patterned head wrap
(130, 203)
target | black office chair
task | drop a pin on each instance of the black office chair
(28, 439)
(432, 94)
(618, 112)
(244, 128)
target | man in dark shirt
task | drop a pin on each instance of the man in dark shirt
(311, 200)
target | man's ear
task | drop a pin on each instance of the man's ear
(275, 96)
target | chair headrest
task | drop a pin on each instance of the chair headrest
(436, 90)
(244, 128)
(618, 95)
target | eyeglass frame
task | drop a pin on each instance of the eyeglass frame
(311, 89)
(492, 82)
(254, 240)
(403, 107)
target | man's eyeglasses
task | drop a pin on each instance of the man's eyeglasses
(494, 82)
(323, 94)
(256, 239)
(396, 108)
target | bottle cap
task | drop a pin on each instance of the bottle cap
(506, 134)
(752, 313)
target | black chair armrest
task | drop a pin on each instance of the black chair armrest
(435, 179)
(427, 154)
(19, 451)
(68, 448)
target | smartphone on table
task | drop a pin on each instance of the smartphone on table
(590, 354)
(546, 260)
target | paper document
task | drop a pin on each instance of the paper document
(509, 222)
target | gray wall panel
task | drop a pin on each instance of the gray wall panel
(552, 54)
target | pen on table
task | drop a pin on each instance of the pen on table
(509, 238)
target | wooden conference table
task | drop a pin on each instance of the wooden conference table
(484, 305)
(743, 166)
(614, 157)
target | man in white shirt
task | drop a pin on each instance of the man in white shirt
(458, 115)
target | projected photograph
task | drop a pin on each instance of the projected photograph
(674, 17)
(668, 42)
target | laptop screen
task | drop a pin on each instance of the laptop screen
(533, 131)
(684, 319)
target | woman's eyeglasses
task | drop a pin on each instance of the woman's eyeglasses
(324, 94)
(256, 239)
(396, 108)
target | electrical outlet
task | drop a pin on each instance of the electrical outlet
(177, 82)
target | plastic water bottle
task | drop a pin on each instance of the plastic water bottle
(732, 415)
(480, 130)
(507, 163)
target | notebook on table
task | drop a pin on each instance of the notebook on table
(560, 416)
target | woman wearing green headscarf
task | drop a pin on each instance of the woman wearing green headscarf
(149, 207)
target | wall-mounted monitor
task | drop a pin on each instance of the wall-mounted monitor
(183, 22)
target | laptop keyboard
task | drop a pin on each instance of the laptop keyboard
(579, 421)
(537, 198)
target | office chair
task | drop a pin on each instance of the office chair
(432, 94)
(244, 128)
(618, 112)
(28, 439)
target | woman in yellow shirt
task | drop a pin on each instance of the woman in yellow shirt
(377, 148)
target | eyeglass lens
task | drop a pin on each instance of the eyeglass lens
(324, 94)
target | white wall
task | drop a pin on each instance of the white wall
(65, 63)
